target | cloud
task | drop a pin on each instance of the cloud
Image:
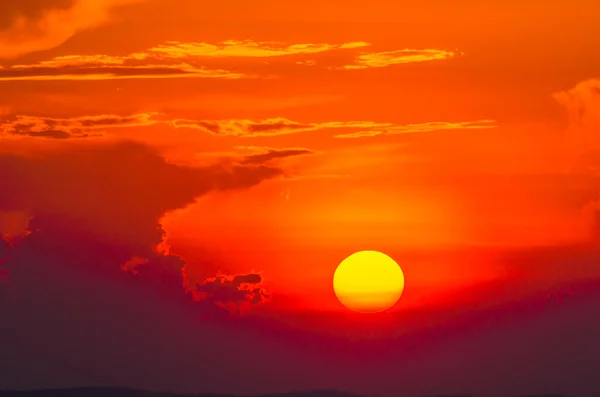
(282, 126)
(267, 127)
(274, 126)
(34, 25)
(105, 67)
(232, 292)
(252, 155)
(254, 49)
(582, 138)
(96, 209)
(181, 60)
(90, 126)
(263, 155)
(171, 60)
(117, 190)
(78, 127)
(387, 58)
(244, 48)
(422, 127)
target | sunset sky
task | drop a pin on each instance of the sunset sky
(180, 179)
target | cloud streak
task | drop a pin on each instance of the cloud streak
(182, 60)
(282, 126)
(264, 155)
(266, 127)
(90, 126)
(422, 127)
(241, 127)
(388, 58)
(170, 60)
(105, 67)
(243, 48)
(77, 127)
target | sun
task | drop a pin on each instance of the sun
(368, 282)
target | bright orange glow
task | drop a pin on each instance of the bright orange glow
(368, 282)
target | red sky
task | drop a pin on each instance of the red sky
(195, 157)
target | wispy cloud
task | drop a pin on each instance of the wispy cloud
(388, 58)
(267, 127)
(184, 60)
(244, 48)
(282, 126)
(170, 60)
(105, 67)
(274, 126)
(87, 126)
(263, 155)
(253, 155)
(76, 60)
(77, 127)
(422, 127)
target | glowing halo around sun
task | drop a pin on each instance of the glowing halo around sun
(368, 282)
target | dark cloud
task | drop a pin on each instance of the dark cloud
(90, 125)
(87, 126)
(273, 154)
(283, 126)
(258, 128)
(96, 207)
(232, 292)
(55, 134)
(246, 128)
(77, 127)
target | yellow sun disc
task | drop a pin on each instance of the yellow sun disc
(368, 282)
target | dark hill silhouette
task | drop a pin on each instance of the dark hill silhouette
(124, 392)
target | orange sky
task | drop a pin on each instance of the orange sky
(443, 133)
(164, 163)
